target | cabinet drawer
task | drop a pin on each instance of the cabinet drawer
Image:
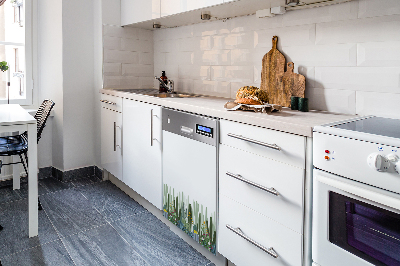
(261, 141)
(286, 243)
(111, 102)
(273, 177)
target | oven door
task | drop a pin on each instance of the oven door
(353, 223)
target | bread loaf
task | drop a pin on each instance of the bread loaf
(251, 95)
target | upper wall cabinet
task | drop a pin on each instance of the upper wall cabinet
(133, 11)
(174, 13)
(172, 7)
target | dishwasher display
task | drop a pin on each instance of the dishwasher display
(190, 181)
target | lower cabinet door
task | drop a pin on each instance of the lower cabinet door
(248, 238)
(111, 138)
(142, 149)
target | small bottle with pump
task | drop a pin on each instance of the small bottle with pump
(164, 79)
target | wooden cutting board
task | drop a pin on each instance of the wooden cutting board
(273, 68)
(293, 84)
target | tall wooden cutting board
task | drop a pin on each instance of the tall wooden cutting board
(273, 68)
(293, 84)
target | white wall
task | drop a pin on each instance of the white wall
(50, 75)
(78, 83)
(66, 75)
(349, 53)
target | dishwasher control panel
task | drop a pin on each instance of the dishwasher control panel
(204, 130)
(193, 126)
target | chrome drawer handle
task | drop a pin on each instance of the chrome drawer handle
(239, 177)
(270, 250)
(105, 101)
(272, 146)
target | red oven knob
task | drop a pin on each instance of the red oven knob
(327, 151)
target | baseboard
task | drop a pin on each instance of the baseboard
(63, 176)
(69, 175)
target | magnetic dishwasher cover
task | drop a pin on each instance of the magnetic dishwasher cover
(190, 174)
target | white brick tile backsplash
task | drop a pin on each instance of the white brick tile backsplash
(383, 54)
(377, 29)
(137, 70)
(308, 72)
(130, 82)
(337, 101)
(243, 74)
(380, 104)
(322, 55)
(146, 82)
(373, 79)
(122, 32)
(287, 36)
(136, 45)
(244, 40)
(145, 35)
(112, 43)
(373, 8)
(243, 57)
(146, 58)
(212, 88)
(194, 72)
(213, 57)
(339, 12)
(159, 58)
(115, 56)
(112, 69)
(251, 23)
(111, 82)
(210, 28)
(184, 85)
(349, 54)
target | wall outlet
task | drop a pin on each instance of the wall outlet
(278, 10)
(264, 13)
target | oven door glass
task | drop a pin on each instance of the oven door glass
(367, 231)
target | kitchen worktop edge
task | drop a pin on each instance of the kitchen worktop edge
(289, 121)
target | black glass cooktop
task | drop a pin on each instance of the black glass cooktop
(374, 125)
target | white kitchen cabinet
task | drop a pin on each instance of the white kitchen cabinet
(142, 149)
(111, 134)
(133, 11)
(261, 191)
(171, 7)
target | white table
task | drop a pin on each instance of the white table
(15, 118)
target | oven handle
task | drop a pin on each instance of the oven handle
(361, 192)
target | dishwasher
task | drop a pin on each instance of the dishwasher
(190, 174)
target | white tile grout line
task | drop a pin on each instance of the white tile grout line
(59, 237)
(129, 244)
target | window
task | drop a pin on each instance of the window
(16, 50)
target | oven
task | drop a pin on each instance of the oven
(356, 194)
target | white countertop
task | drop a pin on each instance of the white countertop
(295, 122)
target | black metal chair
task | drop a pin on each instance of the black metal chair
(18, 145)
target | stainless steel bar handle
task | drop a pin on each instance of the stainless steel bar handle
(270, 250)
(151, 127)
(272, 146)
(115, 136)
(239, 177)
(105, 101)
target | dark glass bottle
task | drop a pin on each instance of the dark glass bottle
(163, 78)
